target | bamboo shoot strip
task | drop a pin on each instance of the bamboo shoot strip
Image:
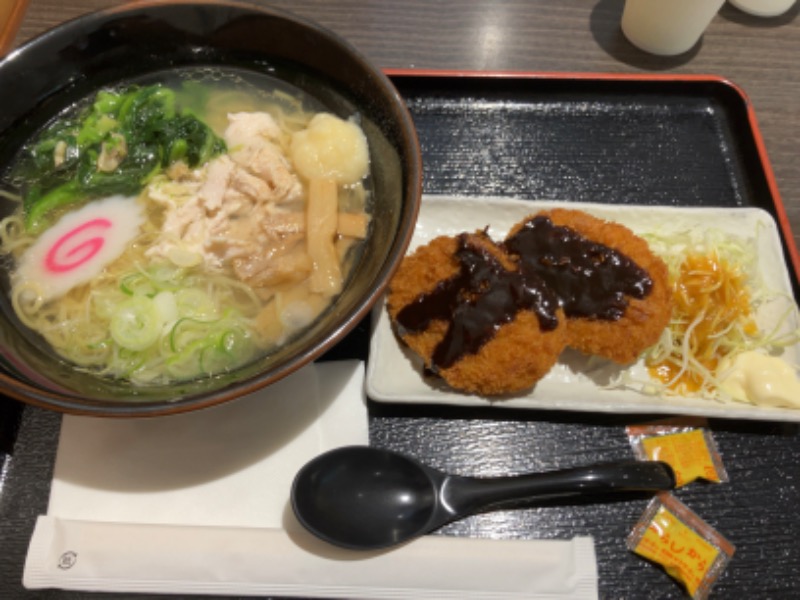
(322, 215)
(353, 225)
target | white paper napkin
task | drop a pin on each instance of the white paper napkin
(198, 503)
(230, 465)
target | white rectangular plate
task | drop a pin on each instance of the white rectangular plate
(577, 383)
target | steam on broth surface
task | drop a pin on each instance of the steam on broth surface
(185, 225)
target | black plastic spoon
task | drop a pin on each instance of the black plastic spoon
(365, 498)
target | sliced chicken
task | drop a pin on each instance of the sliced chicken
(253, 141)
(244, 210)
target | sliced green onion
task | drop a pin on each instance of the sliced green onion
(137, 284)
(136, 324)
(187, 331)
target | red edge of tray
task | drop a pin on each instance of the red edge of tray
(780, 210)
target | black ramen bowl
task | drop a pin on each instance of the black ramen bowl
(107, 48)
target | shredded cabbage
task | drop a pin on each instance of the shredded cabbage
(718, 292)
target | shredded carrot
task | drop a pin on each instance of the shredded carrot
(711, 301)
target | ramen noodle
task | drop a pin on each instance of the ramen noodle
(182, 228)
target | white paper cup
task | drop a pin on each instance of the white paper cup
(667, 27)
(763, 8)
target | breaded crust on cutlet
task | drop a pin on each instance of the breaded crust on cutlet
(516, 356)
(623, 340)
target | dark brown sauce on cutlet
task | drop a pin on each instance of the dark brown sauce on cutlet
(475, 302)
(592, 280)
(557, 267)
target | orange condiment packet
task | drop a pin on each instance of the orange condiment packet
(673, 536)
(685, 444)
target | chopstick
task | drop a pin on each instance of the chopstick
(11, 13)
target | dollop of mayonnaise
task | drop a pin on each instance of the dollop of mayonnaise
(760, 379)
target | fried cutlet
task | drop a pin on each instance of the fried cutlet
(460, 304)
(617, 303)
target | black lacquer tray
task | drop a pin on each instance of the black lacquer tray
(625, 140)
